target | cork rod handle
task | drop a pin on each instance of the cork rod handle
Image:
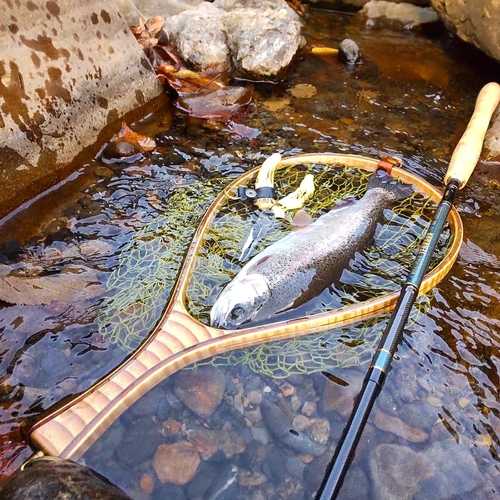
(466, 154)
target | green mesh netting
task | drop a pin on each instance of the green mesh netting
(346, 346)
(140, 286)
(380, 270)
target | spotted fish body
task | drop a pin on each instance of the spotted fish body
(304, 263)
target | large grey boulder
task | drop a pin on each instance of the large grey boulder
(262, 36)
(131, 10)
(66, 71)
(475, 21)
(199, 36)
(256, 39)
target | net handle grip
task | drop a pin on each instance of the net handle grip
(466, 154)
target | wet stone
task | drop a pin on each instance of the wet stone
(103, 172)
(201, 390)
(295, 466)
(418, 414)
(356, 485)
(52, 478)
(261, 434)
(395, 425)
(397, 472)
(106, 445)
(10, 249)
(147, 405)
(319, 430)
(306, 391)
(53, 361)
(171, 427)
(253, 454)
(274, 465)
(210, 441)
(147, 483)
(120, 151)
(341, 399)
(314, 472)
(204, 477)
(225, 485)
(309, 408)
(300, 423)
(349, 51)
(176, 463)
(452, 477)
(139, 442)
(168, 491)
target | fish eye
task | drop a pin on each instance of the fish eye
(237, 313)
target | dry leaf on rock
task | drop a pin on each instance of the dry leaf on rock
(185, 81)
(303, 90)
(126, 134)
(146, 32)
(71, 286)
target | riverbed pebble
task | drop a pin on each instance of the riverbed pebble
(210, 441)
(200, 390)
(397, 471)
(176, 463)
(395, 425)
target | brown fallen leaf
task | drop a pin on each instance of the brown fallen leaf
(126, 134)
(303, 90)
(146, 31)
(74, 285)
(218, 105)
(276, 105)
(185, 81)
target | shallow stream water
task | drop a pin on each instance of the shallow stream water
(434, 431)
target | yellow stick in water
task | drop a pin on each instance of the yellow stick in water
(324, 51)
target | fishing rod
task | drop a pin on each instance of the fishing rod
(462, 164)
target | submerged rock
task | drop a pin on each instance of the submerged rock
(277, 422)
(176, 463)
(384, 14)
(393, 424)
(210, 442)
(120, 152)
(59, 480)
(397, 471)
(201, 390)
(218, 105)
(455, 471)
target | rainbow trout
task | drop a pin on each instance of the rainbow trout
(304, 263)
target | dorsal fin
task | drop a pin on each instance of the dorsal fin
(300, 220)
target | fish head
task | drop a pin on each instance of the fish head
(240, 301)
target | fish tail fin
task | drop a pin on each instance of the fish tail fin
(399, 190)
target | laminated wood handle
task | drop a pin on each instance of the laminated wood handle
(466, 154)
